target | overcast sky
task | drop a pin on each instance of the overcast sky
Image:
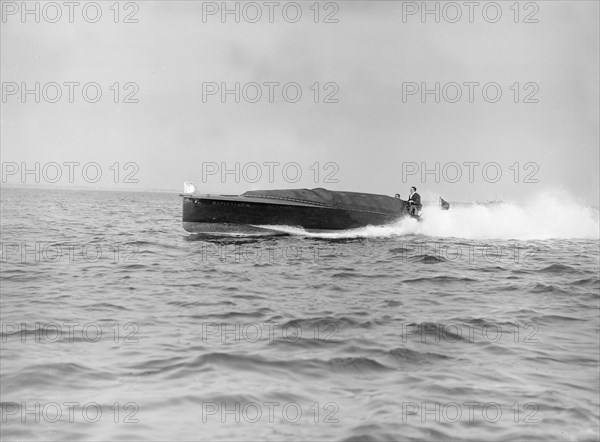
(371, 134)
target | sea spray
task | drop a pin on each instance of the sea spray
(545, 217)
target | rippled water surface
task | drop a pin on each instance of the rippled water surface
(117, 324)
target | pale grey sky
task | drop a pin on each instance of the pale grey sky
(370, 55)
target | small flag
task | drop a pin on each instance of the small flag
(189, 187)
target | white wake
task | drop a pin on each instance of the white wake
(546, 217)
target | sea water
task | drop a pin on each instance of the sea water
(481, 322)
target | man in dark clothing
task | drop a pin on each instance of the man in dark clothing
(414, 202)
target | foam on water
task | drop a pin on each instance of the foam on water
(545, 217)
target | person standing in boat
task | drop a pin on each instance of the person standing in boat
(414, 201)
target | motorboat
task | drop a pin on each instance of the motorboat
(314, 210)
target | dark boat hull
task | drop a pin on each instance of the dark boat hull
(254, 214)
